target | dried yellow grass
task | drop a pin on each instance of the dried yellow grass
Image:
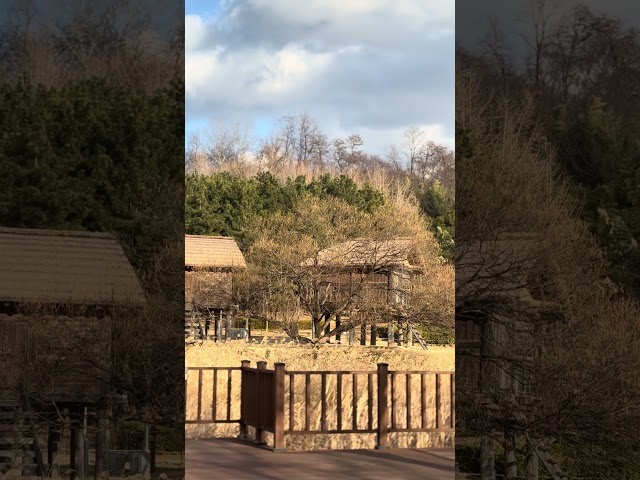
(322, 358)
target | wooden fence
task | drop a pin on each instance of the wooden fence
(396, 401)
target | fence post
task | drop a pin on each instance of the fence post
(383, 406)
(278, 429)
(243, 400)
(259, 437)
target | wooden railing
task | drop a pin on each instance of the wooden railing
(217, 373)
(396, 401)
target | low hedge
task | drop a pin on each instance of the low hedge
(130, 436)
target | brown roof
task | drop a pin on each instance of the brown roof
(212, 252)
(367, 252)
(63, 267)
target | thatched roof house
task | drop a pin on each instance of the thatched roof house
(210, 262)
(498, 312)
(378, 271)
(57, 290)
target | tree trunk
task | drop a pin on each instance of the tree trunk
(390, 339)
(363, 334)
(338, 331)
(374, 334)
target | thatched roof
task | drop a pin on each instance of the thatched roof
(64, 267)
(368, 252)
(212, 252)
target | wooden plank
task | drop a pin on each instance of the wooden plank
(323, 402)
(370, 400)
(438, 400)
(408, 400)
(199, 417)
(229, 387)
(339, 401)
(307, 401)
(354, 402)
(291, 400)
(214, 395)
(423, 398)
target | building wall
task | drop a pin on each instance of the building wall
(59, 359)
(209, 289)
(496, 356)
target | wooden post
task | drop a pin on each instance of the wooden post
(510, 455)
(73, 431)
(374, 333)
(102, 440)
(352, 335)
(53, 447)
(146, 474)
(152, 448)
(78, 451)
(259, 432)
(243, 401)
(227, 324)
(338, 331)
(532, 462)
(487, 458)
(383, 406)
(217, 323)
(363, 334)
(278, 429)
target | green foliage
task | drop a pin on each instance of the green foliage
(439, 205)
(225, 204)
(600, 150)
(93, 157)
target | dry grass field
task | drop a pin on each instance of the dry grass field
(325, 357)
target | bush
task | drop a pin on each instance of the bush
(130, 436)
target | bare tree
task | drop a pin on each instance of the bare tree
(413, 143)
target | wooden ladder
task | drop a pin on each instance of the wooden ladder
(417, 336)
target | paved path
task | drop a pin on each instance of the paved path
(229, 459)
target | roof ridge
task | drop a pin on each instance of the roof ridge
(56, 233)
(209, 236)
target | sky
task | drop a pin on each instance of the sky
(367, 67)
(472, 19)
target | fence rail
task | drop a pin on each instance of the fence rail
(396, 401)
(217, 373)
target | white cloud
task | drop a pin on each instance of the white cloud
(371, 67)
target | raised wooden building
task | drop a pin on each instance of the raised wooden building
(374, 275)
(210, 263)
(58, 290)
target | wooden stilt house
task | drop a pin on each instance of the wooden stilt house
(373, 276)
(210, 264)
(500, 311)
(58, 290)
